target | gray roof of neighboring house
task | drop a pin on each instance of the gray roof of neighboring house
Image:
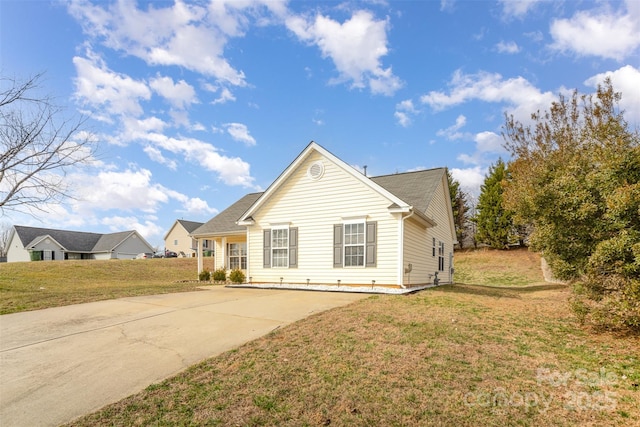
(109, 241)
(73, 241)
(225, 221)
(415, 188)
(190, 226)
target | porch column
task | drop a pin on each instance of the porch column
(224, 253)
(199, 255)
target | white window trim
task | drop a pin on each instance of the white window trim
(246, 255)
(273, 247)
(362, 221)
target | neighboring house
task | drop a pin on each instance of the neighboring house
(178, 239)
(34, 244)
(324, 222)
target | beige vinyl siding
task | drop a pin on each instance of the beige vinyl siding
(417, 252)
(437, 210)
(337, 196)
(185, 243)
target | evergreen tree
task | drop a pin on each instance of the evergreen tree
(494, 222)
(460, 209)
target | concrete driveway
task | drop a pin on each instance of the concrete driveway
(61, 363)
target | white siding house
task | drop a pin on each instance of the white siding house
(324, 222)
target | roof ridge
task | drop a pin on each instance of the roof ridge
(408, 172)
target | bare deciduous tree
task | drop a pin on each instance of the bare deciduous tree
(38, 146)
(5, 229)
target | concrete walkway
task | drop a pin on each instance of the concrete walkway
(60, 363)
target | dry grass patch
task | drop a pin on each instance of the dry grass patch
(35, 285)
(516, 267)
(456, 355)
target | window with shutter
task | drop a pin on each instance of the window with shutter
(293, 247)
(337, 245)
(266, 248)
(355, 244)
(280, 247)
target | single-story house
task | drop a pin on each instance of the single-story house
(35, 244)
(178, 239)
(324, 222)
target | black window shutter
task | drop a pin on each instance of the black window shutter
(371, 244)
(266, 249)
(293, 247)
(337, 245)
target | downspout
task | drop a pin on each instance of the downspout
(401, 257)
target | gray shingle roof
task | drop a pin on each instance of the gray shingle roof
(73, 241)
(415, 188)
(190, 226)
(109, 241)
(225, 221)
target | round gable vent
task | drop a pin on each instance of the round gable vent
(316, 170)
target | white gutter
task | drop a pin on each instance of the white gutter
(401, 248)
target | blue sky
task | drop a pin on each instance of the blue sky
(194, 104)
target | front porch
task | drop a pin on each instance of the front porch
(229, 253)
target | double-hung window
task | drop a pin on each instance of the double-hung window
(280, 247)
(441, 256)
(354, 244)
(237, 256)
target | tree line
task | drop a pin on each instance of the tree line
(572, 193)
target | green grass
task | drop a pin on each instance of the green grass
(464, 355)
(35, 285)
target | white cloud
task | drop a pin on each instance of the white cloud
(520, 97)
(508, 47)
(517, 8)
(225, 96)
(240, 132)
(486, 143)
(101, 88)
(447, 5)
(156, 155)
(603, 33)
(625, 80)
(452, 132)
(231, 170)
(130, 190)
(489, 142)
(355, 47)
(179, 95)
(186, 35)
(147, 229)
(404, 112)
(138, 128)
(196, 206)
(470, 179)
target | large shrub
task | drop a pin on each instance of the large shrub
(575, 179)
